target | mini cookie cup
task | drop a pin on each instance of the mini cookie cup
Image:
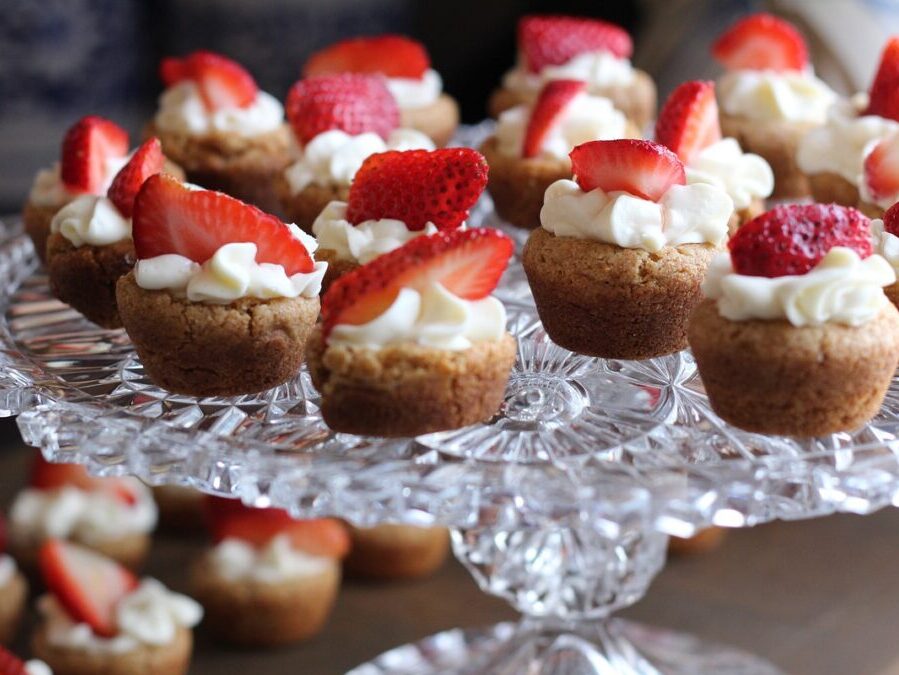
(438, 121)
(389, 552)
(303, 207)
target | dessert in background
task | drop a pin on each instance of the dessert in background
(13, 593)
(338, 121)
(769, 95)
(99, 619)
(529, 149)
(215, 122)
(797, 337)
(853, 159)
(114, 516)
(617, 265)
(406, 67)
(413, 342)
(269, 580)
(180, 508)
(552, 47)
(394, 552)
(688, 126)
(222, 296)
(438, 188)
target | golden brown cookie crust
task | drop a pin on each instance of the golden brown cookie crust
(828, 187)
(637, 100)
(618, 303)
(892, 293)
(389, 552)
(337, 267)
(36, 220)
(85, 277)
(204, 349)
(171, 659)
(130, 550)
(407, 389)
(742, 216)
(438, 120)
(304, 207)
(777, 142)
(772, 377)
(13, 596)
(250, 613)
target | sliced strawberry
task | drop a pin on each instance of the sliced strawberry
(468, 263)
(761, 42)
(230, 519)
(146, 161)
(891, 219)
(641, 168)
(882, 169)
(222, 83)
(171, 218)
(48, 476)
(389, 55)
(88, 585)
(689, 119)
(548, 109)
(883, 98)
(86, 149)
(10, 664)
(792, 239)
(418, 187)
(551, 40)
(350, 102)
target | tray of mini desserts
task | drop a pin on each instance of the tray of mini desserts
(388, 340)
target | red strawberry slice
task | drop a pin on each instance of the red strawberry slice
(10, 664)
(689, 119)
(223, 83)
(146, 161)
(350, 102)
(761, 42)
(883, 98)
(169, 217)
(468, 263)
(88, 585)
(891, 219)
(389, 55)
(418, 187)
(552, 102)
(230, 519)
(551, 40)
(86, 149)
(882, 168)
(641, 168)
(48, 476)
(792, 239)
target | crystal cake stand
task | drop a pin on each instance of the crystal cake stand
(561, 504)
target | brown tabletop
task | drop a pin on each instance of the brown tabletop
(815, 597)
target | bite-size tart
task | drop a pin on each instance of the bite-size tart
(113, 516)
(412, 342)
(438, 188)
(13, 592)
(393, 552)
(215, 123)
(338, 121)
(617, 265)
(16, 666)
(552, 47)
(529, 150)
(99, 619)
(269, 580)
(406, 67)
(222, 297)
(688, 125)
(852, 159)
(796, 336)
(769, 95)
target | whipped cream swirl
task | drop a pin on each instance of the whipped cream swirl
(8, 570)
(150, 615)
(885, 244)
(416, 92)
(600, 70)
(277, 561)
(35, 667)
(333, 157)
(181, 110)
(88, 517)
(742, 175)
(49, 190)
(841, 288)
(843, 143)
(768, 95)
(686, 214)
(585, 118)
(91, 220)
(364, 241)
(433, 317)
